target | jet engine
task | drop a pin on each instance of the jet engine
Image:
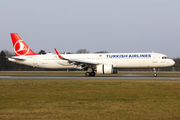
(106, 69)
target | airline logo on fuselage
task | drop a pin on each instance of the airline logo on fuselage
(130, 56)
(20, 48)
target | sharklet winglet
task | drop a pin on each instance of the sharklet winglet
(58, 54)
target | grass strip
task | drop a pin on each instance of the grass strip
(89, 99)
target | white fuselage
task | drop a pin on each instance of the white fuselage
(119, 60)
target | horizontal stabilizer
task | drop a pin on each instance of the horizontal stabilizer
(16, 58)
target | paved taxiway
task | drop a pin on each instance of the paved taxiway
(88, 78)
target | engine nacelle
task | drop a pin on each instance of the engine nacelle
(106, 69)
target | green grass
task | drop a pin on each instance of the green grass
(89, 99)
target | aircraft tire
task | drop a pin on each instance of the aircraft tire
(87, 74)
(155, 74)
(93, 73)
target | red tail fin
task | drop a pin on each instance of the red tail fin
(20, 47)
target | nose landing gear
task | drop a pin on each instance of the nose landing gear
(155, 74)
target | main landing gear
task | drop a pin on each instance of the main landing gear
(90, 74)
(155, 74)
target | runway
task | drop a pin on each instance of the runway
(91, 78)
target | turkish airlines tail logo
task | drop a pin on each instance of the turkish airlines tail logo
(20, 47)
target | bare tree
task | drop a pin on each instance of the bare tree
(8, 53)
(103, 51)
(82, 51)
(42, 52)
(68, 53)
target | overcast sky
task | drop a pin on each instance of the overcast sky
(117, 26)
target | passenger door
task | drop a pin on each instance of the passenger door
(35, 64)
(154, 58)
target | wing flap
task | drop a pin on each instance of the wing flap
(82, 62)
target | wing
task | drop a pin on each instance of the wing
(82, 63)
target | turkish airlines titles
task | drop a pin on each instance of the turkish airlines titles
(130, 56)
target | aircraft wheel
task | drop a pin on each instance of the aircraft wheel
(93, 73)
(155, 74)
(87, 74)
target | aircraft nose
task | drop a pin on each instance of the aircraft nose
(172, 62)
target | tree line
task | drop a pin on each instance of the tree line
(6, 65)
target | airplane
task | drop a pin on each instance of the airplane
(101, 63)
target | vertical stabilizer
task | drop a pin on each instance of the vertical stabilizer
(20, 47)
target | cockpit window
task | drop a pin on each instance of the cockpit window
(165, 58)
